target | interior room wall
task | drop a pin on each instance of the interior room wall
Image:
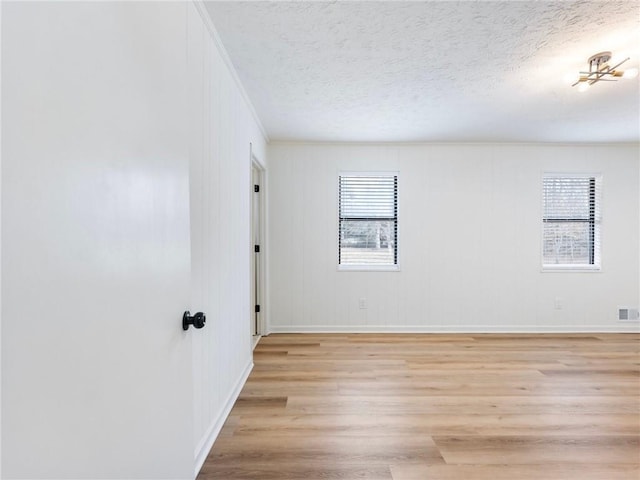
(469, 240)
(223, 134)
(0, 236)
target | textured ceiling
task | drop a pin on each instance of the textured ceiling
(433, 71)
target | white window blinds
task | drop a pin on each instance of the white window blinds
(368, 220)
(571, 220)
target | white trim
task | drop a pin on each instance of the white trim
(579, 268)
(266, 286)
(368, 173)
(263, 297)
(257, 160)
(576, 174)
(204, 13)
(454, 329)
(0, 235)
(205, 445)
(369, 268)
(293, 142)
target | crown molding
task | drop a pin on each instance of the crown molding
(206, 18)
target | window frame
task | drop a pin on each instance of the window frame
(595, 224)
(362, 267)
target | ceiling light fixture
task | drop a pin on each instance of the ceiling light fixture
(600, 71)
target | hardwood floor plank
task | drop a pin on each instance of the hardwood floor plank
(541, 450)
(544, 388)
(269, 470)
(570, 471)
(310, 447)
(460, 405)
(440, 424)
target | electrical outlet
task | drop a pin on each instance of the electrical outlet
(558, 303)
(362, 303)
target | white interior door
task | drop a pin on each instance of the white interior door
(96, 378)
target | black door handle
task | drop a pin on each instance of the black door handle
(198, 320)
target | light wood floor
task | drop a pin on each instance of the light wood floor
(437, 407)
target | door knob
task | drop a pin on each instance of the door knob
(198, 320)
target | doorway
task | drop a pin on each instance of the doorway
(257, 253)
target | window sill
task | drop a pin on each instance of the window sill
(571, 268)
(368, 268)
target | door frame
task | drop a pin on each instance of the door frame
(258, 296)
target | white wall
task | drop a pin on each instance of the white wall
(469, 240)
(222, 128)
(0, 239)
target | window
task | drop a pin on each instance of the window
(368, 221)
(571, 222)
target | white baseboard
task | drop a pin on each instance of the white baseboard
(622, 328)
(214, 430)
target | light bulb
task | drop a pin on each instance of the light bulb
(631, 73)
(583, 87)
